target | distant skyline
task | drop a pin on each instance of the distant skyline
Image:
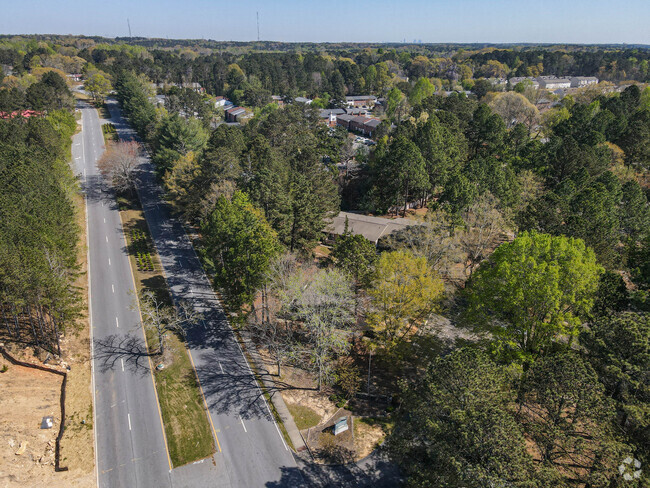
(463, 21)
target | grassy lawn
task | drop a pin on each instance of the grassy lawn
(304, 417)
(188, 432)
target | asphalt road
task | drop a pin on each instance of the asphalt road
(130, 445)
(252, 452)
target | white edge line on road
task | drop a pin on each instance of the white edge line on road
(122, 361)
(242, 424)
(286, 448)
(104, 219)
(113, 288)
(109, 261)
(128, 415)
(116, 322)
(106, 238)
(90, 322)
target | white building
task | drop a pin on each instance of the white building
(580, 81)
(553, 83)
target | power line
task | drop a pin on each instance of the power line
(129, 24)
(258, 27)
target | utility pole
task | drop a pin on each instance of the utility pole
(129, 24)
(258, 27)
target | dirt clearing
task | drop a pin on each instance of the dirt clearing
(28, 395)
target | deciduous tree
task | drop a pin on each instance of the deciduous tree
(322, 302)
(533, 290)
(404, 291)
(118, 165)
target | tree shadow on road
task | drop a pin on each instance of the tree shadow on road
(115, 349)
(374, 471)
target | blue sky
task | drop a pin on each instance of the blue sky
(554, 21)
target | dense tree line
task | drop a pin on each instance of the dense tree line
(580, 182)
(38, 230)
(248, 73)
(624, 64)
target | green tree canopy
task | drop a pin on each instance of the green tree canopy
(240, 244)
(569, 419)
(404, 291)
(356, 255)
(454, 428)
(618, 347)
(533, 290)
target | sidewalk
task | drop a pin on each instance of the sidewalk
(276, 397)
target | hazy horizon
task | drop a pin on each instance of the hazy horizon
(381, 21)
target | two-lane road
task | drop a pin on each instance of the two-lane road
(130, 444)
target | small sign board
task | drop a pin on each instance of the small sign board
(341, 425)
(47, 423)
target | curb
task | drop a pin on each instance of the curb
(275, 396)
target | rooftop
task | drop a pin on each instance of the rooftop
(361, 97)
(372, 228)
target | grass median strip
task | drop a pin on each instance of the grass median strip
(189, 437)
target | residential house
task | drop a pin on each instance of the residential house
(304, 100)
(238, 114)
(329, 115)
(277, 99)
(372, 228)
(194, 86)
(356, 111)
(365, 125)
(220, 101)
(498, 82)
(344, 120)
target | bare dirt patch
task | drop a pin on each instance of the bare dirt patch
(28, 396)
(297, 387)
(367, 437)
